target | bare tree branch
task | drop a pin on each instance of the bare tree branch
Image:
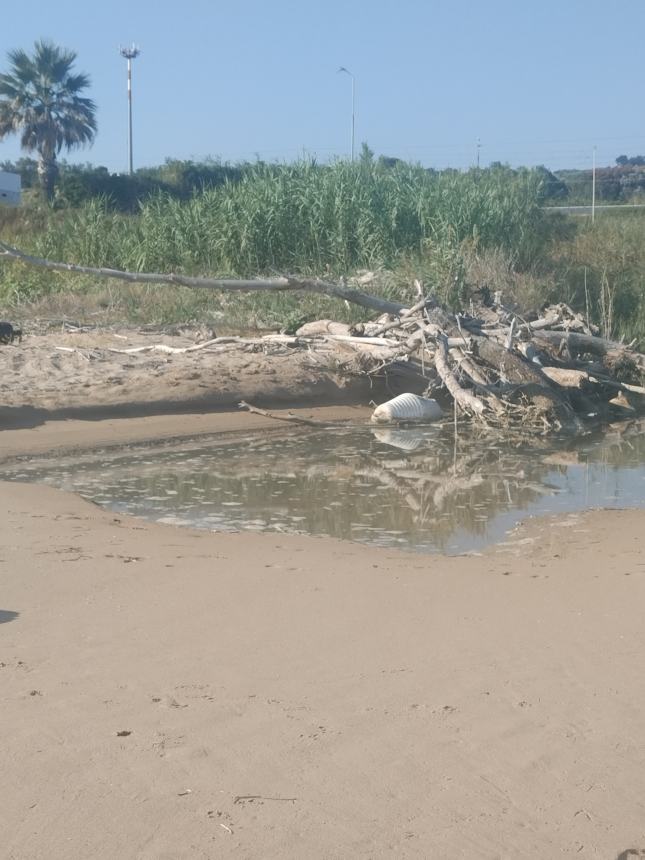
(285, 283)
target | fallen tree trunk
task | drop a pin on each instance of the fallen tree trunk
(578, 343)
(613, 353)
(268, 285)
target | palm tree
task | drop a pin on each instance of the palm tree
(40, 100)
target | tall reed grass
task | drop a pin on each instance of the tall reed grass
(454, 230)
(308, 218)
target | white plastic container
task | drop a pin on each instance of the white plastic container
(407, 407)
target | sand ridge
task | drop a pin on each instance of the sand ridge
(59, 375)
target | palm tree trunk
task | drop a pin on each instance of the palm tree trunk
(47, 173)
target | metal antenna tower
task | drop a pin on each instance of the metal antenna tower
(130, 54)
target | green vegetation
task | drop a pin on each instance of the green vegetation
(81, 183)
(40, 99)
(308, 218)
(455, 231)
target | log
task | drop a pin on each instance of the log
(511, 335)
(513, 367)
(464, 398)
(479, 380)
(578, 344)
(584, 381)
(365, 341)
(586, 395)
(270, 285)
(566, 378)
(621, 386)
(417, 340)
(469, 366)
(322, 327)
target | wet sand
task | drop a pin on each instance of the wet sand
(170, 693)
(96, 432)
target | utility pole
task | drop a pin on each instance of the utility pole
(347, 72)
(593, 186)
(130, 54)
(479, 146)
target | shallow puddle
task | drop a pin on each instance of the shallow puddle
(415, 489)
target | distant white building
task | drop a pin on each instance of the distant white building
(9, 188)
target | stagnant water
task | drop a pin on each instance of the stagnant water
(418, 489)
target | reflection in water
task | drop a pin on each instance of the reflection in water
(407, 440)
(391, 487)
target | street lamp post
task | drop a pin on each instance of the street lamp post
(347, 72)
(593, 186)
(130, 54)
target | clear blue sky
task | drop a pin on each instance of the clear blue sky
(537, 82)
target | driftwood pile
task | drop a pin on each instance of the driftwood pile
(492, 365)
(551, 371)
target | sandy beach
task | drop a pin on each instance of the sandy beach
(173, 693)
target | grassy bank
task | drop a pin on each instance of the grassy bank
(456, 231)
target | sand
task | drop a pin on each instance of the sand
(171, 693)
(89, 375)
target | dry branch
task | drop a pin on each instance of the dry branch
(460, 395)
(288, 417)
(582, 344)
(270, 285)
